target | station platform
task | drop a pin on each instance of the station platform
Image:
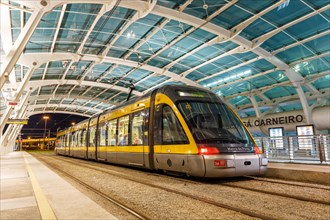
(308, 173)
(30, 190)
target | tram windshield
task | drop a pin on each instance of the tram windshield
(214, 123)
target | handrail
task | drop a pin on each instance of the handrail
(306, 149)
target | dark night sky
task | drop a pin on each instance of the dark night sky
(36, 124)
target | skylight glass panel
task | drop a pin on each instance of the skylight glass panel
(312, 67)
(159, 61)
(291, 106)
(317, 3)
(277, 41)
(261, 65)
(278, 76)
(138, 75)
(78, 90)
(256, 29)
(40, 102)
(300, 31)
(195, 75)
(262, 81)
(137, 31)
(67, 47)
(283, 15)
(67, 101)
(179, 68)
(119, 98)
(322, 83)
(153, 81)
(240, 100)
(203, 9)
(47, 90)
(38, 73)
(227, 77)
(109, 24)
(43, 34)
(18, 73)
(277, 92)
(63, 90)
(37, 47)
(171, 54)
(56, 101)
(320, 45)
(294, 54)
(49, 20)
(170, 4)
(84, 8)
(230, 17)
(108, 94)
(254, 6)
(77, 69)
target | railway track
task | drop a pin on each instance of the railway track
(87, 164)
(228, 183)
(98, 192)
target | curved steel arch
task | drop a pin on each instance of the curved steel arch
(62, 112)
(40, 97)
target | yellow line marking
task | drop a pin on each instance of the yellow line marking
(46, 211)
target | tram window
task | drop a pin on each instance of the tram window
(73, 143)
(92, 136)
(83, 137)
(123, 125)
(172, 131)
(145, 115)
(102, 134)
(66, 140)
(112, 127)
(79, 138)
(137, 129)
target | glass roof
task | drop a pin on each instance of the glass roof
(90, 55)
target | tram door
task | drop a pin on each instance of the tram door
(137, 137)
(101, 142)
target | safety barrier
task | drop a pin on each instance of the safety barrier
(314, 149)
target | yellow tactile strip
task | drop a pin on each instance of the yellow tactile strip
(45, 209)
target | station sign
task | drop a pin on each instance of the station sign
(17, 121)
(12, 103)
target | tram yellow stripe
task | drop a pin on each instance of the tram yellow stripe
(45, 209)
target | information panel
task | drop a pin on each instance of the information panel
(305, 136)
(276, 137)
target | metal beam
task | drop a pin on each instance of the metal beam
(20, 89)
(288, 99)
(30, 113)
(45, 97)
(71, 107)
(39, 83)
(19, 45)
(300, 42)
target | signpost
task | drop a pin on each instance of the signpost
(17, 121)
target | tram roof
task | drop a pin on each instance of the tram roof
(82, 56)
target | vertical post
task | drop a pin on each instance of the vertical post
(321, 149)
(325, 147)
(45, 117)
(266, 146)
(291, 149)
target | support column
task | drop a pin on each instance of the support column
(20, 90)
(255, 105)
(306, 108)
(19, 45)
(21, 112)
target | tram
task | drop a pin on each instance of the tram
(175, 129)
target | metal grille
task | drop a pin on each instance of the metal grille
(296, 148)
